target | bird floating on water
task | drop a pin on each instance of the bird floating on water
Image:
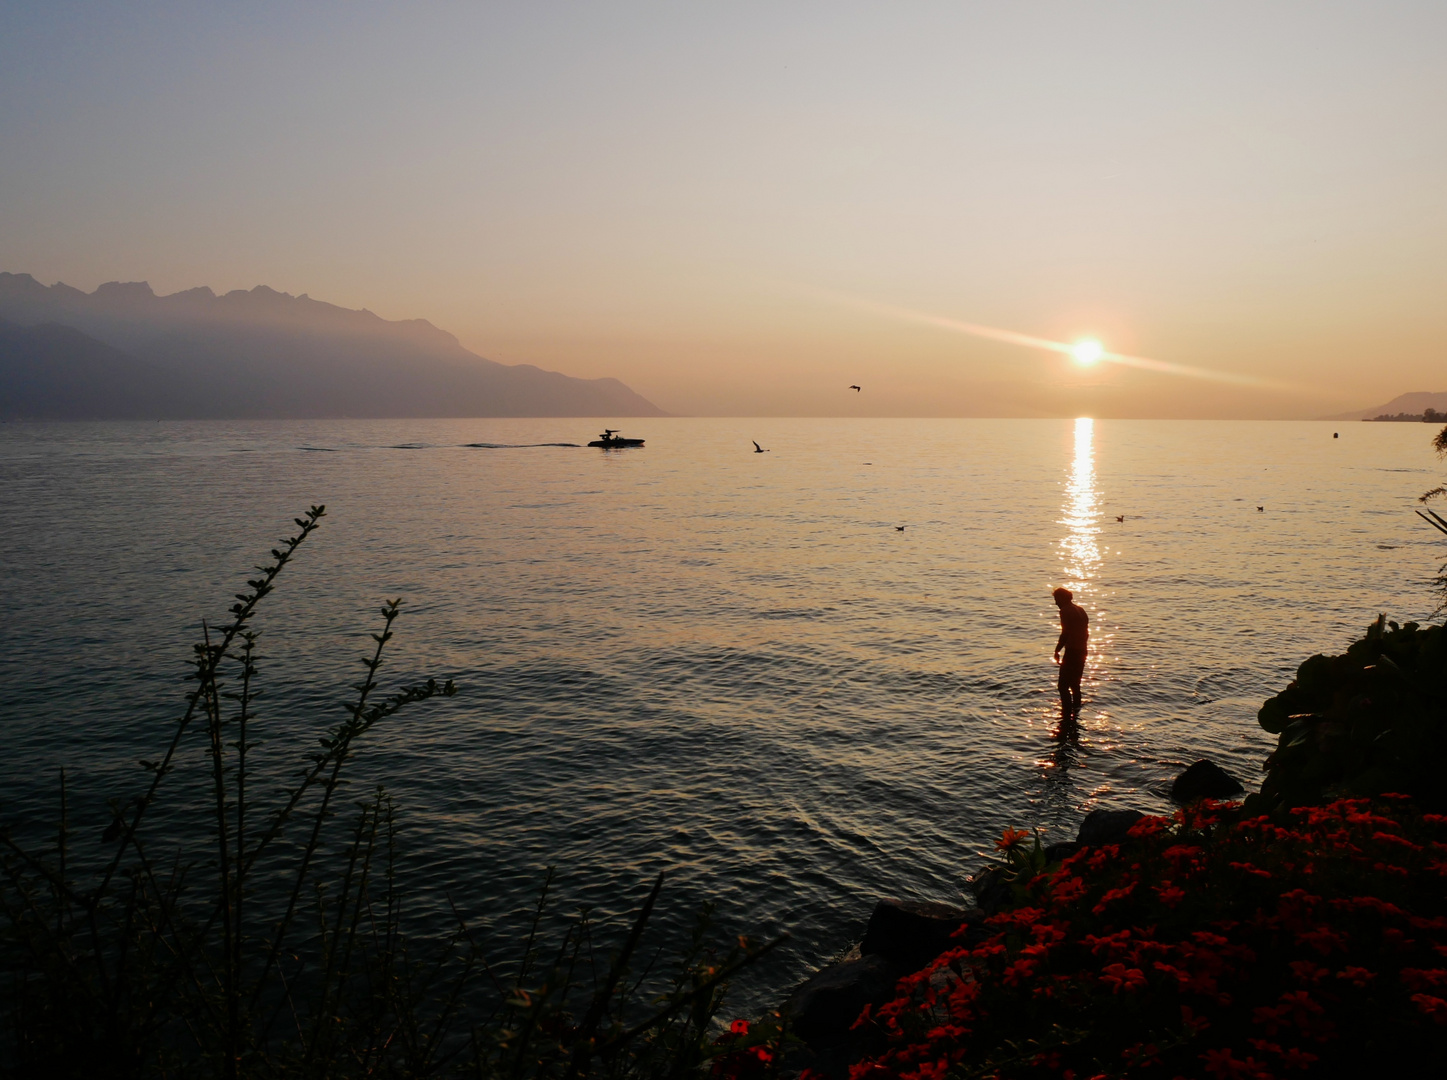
(1261, 509)
(899, 528)
(1119, 517)
(853, 387)
(757, 448)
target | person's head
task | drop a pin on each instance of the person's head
(1062, 596)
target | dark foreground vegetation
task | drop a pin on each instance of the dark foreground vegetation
(278, 948)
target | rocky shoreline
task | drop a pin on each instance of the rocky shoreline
(904, 936)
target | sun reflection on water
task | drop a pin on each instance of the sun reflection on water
(1079, 548)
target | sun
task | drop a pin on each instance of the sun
(1087, 352)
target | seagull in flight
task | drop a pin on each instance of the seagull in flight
(757, 448)
(852, 387)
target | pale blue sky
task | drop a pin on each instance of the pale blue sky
(688, 196)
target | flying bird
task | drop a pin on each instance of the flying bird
(757, 448)
(852, 387)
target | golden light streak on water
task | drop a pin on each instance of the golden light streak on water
(1080, 549)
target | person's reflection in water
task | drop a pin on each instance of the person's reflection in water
(1058, 795)
(1074, 639)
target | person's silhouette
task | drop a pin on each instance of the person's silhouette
(1074, 639)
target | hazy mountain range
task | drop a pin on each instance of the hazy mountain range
(1417, 402)
(122, 352)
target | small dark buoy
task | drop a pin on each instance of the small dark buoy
(1334, 435)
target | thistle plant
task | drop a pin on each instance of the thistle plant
(277, 948)
(1438, 522)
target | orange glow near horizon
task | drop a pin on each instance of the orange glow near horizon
(1085, 353)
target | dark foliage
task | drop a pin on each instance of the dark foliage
(1369, 721)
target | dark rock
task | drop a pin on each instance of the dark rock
(1106, 827)
(1204, 780)
(990, 888)
(833, 998)
(911, 933)
(1060, 852)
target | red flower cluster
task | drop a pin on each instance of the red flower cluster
(748, 1050)
(1205, 945)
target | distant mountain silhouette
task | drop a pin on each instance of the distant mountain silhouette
(67, 354)
(1416, 403)
(52, 372)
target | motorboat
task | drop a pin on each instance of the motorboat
(611, 440)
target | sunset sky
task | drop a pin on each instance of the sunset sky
(743, 208)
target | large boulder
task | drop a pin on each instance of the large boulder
(1205, 780)
(1106, 827)
(826, 1005)
(911, 933)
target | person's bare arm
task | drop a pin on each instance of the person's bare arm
(1061, 643)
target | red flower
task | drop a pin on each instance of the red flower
(1308, 972)
(1010, 839)
(1119, 977)
(739, 1027)
(1169, 894)
(1392, 839)
(1323, 939)
(1223, 1064)
(1294, 1058)
(1112, 896)
(1431, 1006)
(1395, 938)
(1420, 979)
(1017, 972)
(1357, 976)
(1068, 891)
(1247, 868)
(1146, 826)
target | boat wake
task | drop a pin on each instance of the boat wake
(513, 446)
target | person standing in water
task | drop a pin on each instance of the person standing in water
(1074, 638)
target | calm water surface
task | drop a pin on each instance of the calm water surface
(693, 657)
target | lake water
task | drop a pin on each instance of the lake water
(693, 657)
